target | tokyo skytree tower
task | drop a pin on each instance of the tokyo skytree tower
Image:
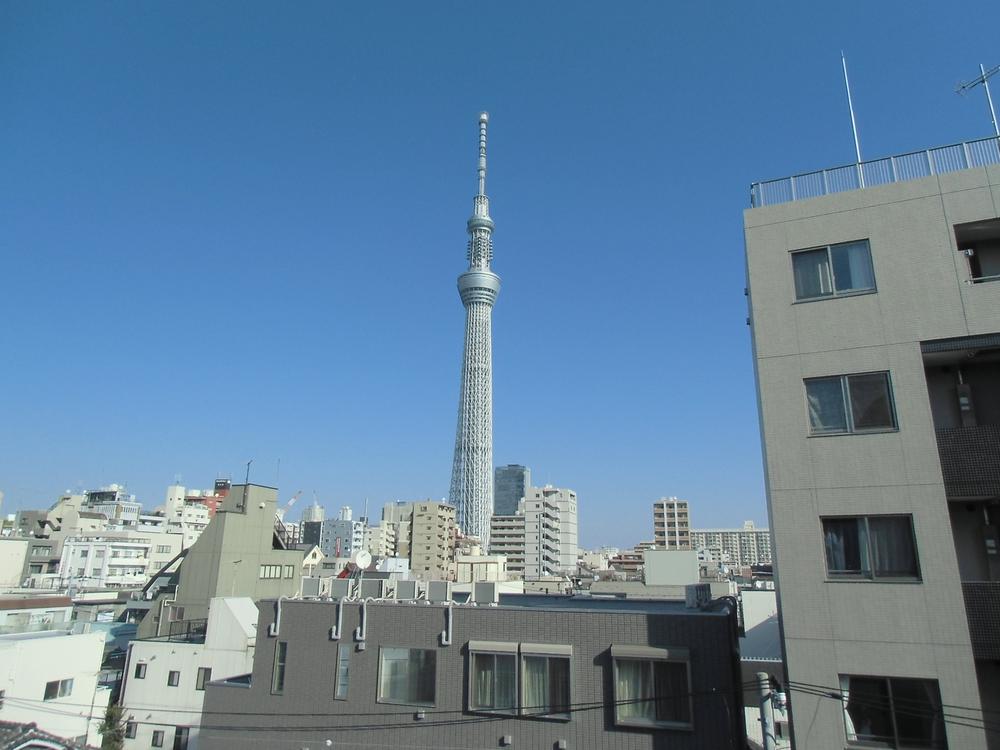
(472, 471)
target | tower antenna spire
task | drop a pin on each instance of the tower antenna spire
(484, 118)
(472, 470)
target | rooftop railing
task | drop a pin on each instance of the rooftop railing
(867, 174)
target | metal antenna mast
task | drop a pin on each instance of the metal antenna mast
(983, 78)
(854, 126)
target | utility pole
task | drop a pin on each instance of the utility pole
(766, 710)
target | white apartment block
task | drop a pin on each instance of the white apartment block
(110, 560)
(671, 523)
(163, 691)
(50, 677)
(874, 294)
(746, 546)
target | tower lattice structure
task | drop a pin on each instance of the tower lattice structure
(472, 470)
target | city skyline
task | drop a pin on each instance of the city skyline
(230, 235)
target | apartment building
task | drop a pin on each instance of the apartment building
(671, 523)
(530, 671)
(874, 295)
(107, 560)
(539, 540)
(432, 539)
(746, 546)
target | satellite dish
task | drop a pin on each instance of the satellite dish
(363, 559)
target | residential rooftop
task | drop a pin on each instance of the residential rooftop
(884, 171)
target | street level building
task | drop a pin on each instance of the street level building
(874, 294)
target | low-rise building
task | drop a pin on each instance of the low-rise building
(532, 671)
(50, 677)
(163, 692)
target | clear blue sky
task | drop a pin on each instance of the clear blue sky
(232, 231)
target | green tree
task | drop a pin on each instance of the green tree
(112, 729)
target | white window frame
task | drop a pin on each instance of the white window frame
(649, 655)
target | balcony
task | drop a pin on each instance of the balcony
(867, 174)
(982, 607)
(970, 461)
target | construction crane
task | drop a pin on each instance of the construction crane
(288, 506)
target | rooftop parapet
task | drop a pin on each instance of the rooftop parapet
(911, 166)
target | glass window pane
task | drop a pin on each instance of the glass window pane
(670, 685)
(871, 404)
(852, 267)
(423, 665)
(812, 274)
(343, 671)
(558, 686)
(506, 687)
(394, 674)
(633, 690)
(866, 709)
(535, 693)
(483, 679)
(892, 550)
(825, 398)
(845, 546)
(916, 705)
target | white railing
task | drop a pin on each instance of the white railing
(877, 172)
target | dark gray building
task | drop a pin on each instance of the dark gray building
(531, 672)
(509, 485)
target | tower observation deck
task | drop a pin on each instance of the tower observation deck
(472, 470)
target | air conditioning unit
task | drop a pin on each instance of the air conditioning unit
(373, 588)
(406, 590)
(340, 588)
(486, 592)
(439, 591)
(697, 595)
(311, 587)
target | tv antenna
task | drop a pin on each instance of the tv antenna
(983, 78)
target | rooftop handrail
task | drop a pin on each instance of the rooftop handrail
(866, 174)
